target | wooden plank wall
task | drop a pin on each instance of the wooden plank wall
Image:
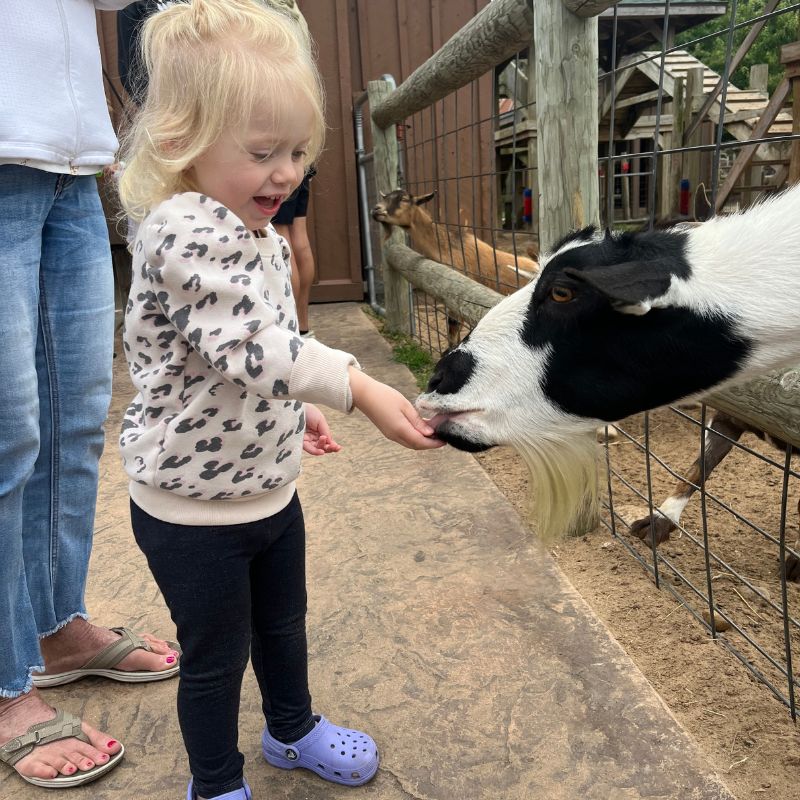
(445, 152)
(358, 41)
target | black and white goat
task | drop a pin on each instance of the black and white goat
(616, 324)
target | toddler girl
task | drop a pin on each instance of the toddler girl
(212, 441)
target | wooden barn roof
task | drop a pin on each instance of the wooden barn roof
(637, 91)
(640, 22)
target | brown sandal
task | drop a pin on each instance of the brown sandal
(104, 664)
(63, 726)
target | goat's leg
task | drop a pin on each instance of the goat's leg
(668, 515)
(792, 562)
(453, 331)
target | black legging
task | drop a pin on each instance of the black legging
(230, 588)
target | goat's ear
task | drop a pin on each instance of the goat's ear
(424, 198)
(631, 287)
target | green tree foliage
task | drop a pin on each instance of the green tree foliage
(766, 49)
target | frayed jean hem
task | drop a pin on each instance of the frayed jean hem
(76, 615)
(10, 694)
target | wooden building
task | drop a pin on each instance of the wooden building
(686, 81)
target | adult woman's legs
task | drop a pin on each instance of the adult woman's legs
(56, 325)
(43, 569)
(73, 362)
(74, 355)
(26, 196)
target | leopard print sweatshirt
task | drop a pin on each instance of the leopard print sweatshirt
(214, 435)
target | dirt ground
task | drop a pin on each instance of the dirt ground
(746, 733)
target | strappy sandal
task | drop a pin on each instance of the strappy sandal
(63, 726)
(104, 663)
(237, 794)
(337, 754)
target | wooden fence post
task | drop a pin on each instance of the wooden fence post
(384, 141)
(790, 58)
(759, 82)
(566, 51)
(692, 161)
(673, 164)
(532, 178)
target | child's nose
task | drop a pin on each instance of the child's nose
(284, 171)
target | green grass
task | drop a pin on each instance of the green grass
(406, 351)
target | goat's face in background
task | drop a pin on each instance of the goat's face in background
(594, 339)
(397, 207)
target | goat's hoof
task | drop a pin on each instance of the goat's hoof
(792, 567)
(662, 527)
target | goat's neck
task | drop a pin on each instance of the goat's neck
(430, 238)
(747, 267)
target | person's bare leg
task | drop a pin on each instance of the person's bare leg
(70, 648)
(65, 756)
(303, 266)
(304, 269)
(286, 232)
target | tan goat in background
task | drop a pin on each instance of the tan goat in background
(499, 270)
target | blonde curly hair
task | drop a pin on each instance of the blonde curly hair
(211, 65)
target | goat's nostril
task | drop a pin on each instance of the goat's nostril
(452, 372)
(434, 381)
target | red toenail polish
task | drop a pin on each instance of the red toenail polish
(70, 770)
(111, 743)
(170, 659)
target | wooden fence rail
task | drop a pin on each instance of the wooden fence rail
(502, 29)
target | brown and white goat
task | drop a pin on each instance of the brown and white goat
(499, 270)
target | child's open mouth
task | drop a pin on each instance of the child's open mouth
(268, 205)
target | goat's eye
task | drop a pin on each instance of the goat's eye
(561, 294)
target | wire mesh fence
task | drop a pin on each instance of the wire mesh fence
(690, 125)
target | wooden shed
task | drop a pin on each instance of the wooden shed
(688, 80)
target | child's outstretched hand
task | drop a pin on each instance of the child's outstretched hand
(317, 440)
(391, 413)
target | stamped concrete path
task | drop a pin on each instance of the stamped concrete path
(436, 623)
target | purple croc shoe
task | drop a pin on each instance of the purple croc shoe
(337, 754)
(238, 794)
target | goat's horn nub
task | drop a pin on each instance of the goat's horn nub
(383, 196)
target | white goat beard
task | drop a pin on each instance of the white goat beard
(565, 484)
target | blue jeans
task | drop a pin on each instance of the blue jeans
(56, 350)
(233, 591)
